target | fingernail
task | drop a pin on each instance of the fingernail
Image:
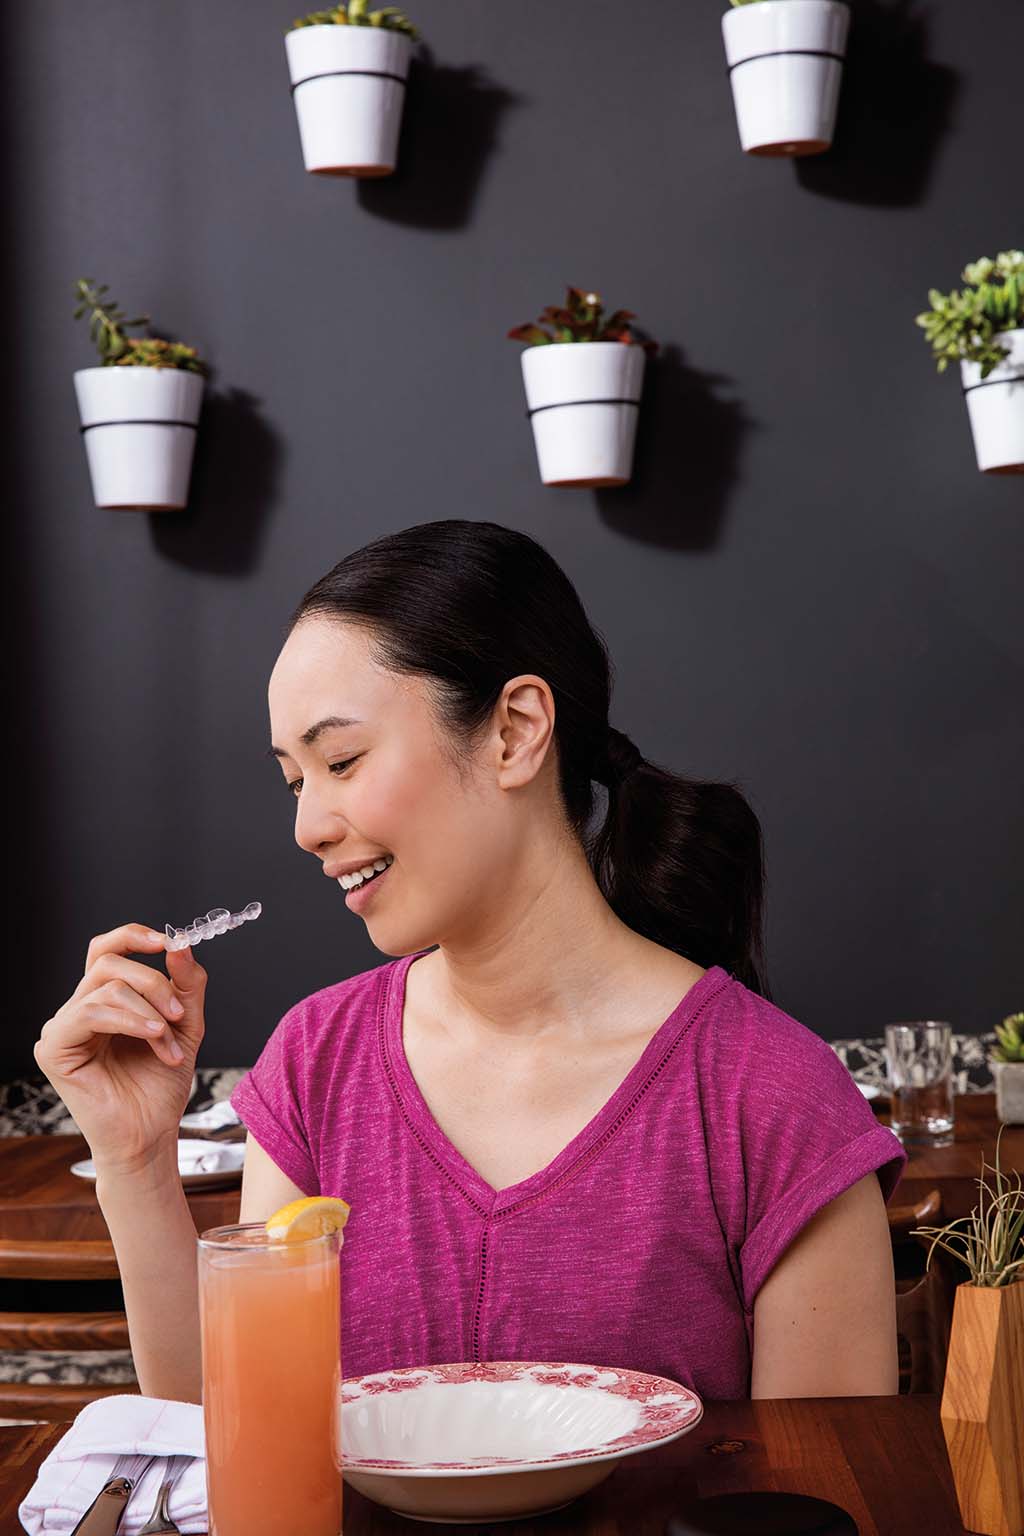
(154, 1026)
(177, 1054)
(175, 1009)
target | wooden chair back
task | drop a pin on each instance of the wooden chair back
(76, 1331)
(924, 1296)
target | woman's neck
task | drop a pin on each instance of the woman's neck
(552, 962)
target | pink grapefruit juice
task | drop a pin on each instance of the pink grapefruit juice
(270, 1316)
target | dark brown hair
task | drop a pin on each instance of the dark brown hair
(468, 605)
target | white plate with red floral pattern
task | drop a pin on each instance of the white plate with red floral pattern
(504, 1440)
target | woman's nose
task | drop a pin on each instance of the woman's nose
(316, 822)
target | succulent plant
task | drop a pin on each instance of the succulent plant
(582, 318)
(355, 13)
(1010, 1034)
(107, 327)
(962, 324)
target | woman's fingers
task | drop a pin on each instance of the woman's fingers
(152, 985)
(62, 1037)
(130, 938)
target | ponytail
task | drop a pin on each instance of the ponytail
(681, 861)
(468, 605)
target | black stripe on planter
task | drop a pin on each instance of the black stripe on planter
(1018, 378)
(327, 74)
(781, 53)
(557, 405)
(141, 421)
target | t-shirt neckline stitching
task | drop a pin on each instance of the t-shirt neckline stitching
(594, 1137)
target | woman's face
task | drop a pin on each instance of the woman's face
(373, 779)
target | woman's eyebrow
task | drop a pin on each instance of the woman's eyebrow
(308, 737)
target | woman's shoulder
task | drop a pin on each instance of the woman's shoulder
(341, 1005)
(745, 1037)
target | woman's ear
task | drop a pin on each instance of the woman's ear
(525, 725)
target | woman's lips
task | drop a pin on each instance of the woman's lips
(356, 900)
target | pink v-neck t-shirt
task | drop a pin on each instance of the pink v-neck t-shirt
(642, 1245)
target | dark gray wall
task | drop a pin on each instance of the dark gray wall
(808, 588)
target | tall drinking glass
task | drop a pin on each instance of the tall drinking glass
(920, 1062)
(271, 1318)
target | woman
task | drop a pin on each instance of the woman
(569, 1123)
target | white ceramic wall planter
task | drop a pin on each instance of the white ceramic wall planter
(583, 399)
(348, 85)
(996, 408)
(785, 62)
(139, 426)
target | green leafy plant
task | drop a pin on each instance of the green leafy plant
(108, 328)
(962, 324)
(356, 13)
(1010, 1034)
(581, 318)
(991, 1242)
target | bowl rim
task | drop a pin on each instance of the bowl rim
(634, 1385)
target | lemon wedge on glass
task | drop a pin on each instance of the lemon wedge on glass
(314, 1216)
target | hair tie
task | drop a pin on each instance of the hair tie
(619, 760)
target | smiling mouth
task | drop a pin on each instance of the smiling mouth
(367, 875)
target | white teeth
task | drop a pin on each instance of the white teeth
(360, 876)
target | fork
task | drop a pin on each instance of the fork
(106, 1511)
(160, 1522)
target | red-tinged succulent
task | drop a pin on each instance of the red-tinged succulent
(108, 328)
(581, 318)
(356, 13)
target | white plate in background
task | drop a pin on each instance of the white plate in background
(202, 1164)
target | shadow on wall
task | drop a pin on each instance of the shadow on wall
(234, 487)
(895, 107)
(688, 448)
(449, 129)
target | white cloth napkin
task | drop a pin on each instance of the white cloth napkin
(79, 1464)
(209, 1156)
(212, 1119)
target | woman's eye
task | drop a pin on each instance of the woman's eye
(295, 786)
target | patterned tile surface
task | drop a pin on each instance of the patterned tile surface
(29, 1106)
(865, 1059)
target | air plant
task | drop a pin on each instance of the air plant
(108, 327)
(355, 13)
(1010, 1034)
(991, 1243)
(961, 324)
(582, 318)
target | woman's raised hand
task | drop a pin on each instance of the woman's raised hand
(122, 1049)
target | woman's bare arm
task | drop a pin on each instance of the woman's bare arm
(154, 1238)
(825, 1318)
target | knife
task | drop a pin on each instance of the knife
(106, 1511)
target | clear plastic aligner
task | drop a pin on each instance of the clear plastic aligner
(208, 927)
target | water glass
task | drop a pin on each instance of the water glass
(919, 1057)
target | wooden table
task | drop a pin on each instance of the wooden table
(956, 1169)
(883, 1459)
(40, 1198)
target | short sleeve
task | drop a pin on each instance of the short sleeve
(271, 1100)
(790, 1131)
